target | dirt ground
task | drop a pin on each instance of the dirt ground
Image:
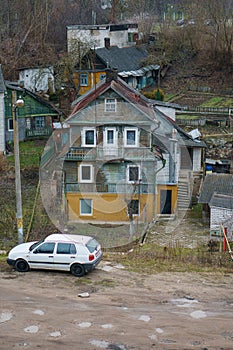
(112, 308)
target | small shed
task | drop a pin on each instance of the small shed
(216, 197)
(221, 213)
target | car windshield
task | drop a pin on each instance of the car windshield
(92, 245)
(34, 245)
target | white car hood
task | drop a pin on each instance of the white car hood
(21, 248)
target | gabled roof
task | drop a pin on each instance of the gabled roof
(2, 84)
(146, 106)
(216, 183)
(40, 99)
(221, 201)
(120, 87)
(124, 59)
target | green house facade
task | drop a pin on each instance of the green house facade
(35, 118)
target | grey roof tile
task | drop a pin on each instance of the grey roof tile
(124, 59)
(221, 201)
(216, 183)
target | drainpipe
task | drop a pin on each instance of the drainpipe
(155, 186)
(154, 200)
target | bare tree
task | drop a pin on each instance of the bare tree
(214, 21)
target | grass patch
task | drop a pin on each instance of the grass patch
(106, 283)
(188, 117)
(169, 97)
(152, 258)
(30, 153)
(84, 280)
(196, 212)
(220, 102)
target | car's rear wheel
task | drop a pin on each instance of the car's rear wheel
(77, 270)
(21, 265)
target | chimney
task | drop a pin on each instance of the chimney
(107, 43)
(111, 74)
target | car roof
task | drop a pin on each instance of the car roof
(63, 237)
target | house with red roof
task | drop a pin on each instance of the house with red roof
(124, 157)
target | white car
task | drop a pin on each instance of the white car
(75, 253)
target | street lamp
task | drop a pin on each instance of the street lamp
(17, 103)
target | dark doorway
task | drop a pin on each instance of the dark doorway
(186, 158)
(165, 201)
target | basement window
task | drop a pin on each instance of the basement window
(133, 207)
(86, 207)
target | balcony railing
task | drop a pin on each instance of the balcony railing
(104, 153)
(46, 131)
(110, 188)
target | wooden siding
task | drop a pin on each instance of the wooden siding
(95, 113)
(144, 135)
(93, 79)
(31, 108)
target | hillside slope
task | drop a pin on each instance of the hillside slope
(195, 72)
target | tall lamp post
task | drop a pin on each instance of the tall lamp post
(17, 103)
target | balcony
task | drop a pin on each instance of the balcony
(119, 188)
(107, 153)
(32, 133)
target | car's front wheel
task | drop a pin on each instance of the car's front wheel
(21, 265)
(77, 270)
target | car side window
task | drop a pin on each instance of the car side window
(66, 248)
(45, 248)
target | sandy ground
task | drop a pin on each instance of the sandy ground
(122, 310)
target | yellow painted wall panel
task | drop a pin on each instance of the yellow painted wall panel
(109, 207)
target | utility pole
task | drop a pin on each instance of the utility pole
(16, 103)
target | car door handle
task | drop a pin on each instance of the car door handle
(50, 256)
(72, 257)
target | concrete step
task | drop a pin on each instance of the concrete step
(166, 217)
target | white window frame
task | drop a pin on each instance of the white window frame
(128, 172)
(83, 134)
(136, 137)
(91, 206)
(81, 180)
(84, 76)
(106, 143)
(28, 123)
(8, 124)
(110, 105)
(102, 76)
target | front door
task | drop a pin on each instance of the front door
(165, 201)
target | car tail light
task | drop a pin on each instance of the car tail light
(91, 257)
